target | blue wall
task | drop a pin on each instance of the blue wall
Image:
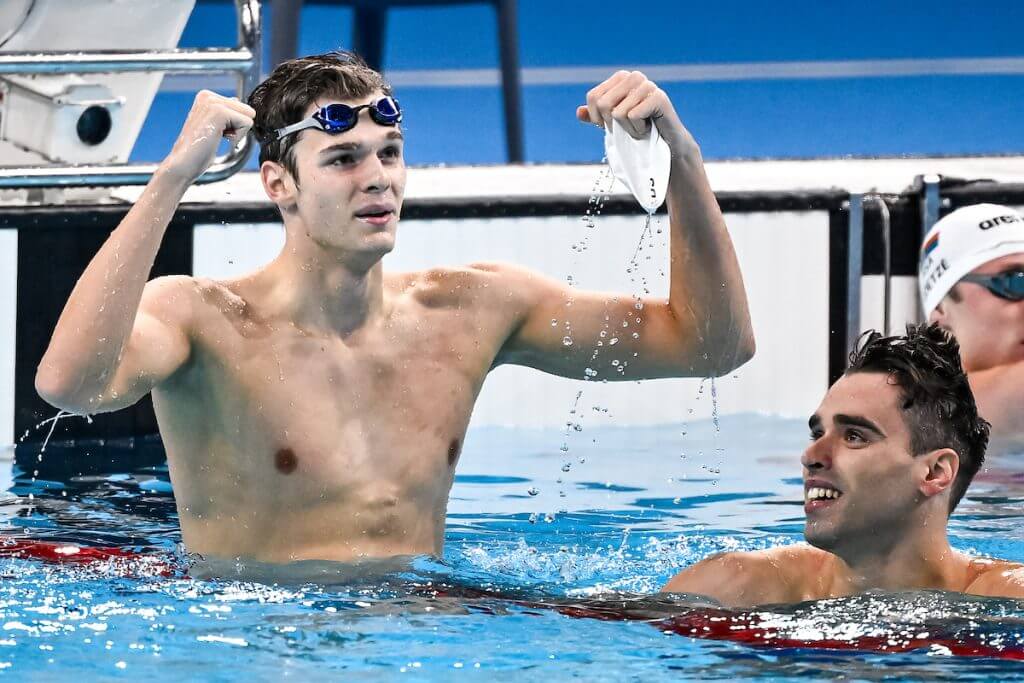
(827, 117)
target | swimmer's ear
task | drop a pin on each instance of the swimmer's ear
(941, 466)
(278, 184)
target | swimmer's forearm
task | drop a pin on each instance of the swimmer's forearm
(706, 289)
(89, 339)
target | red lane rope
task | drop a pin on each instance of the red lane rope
(750, 628)
(74, 554)
(708, 623)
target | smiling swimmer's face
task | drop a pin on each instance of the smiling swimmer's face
(859, 474)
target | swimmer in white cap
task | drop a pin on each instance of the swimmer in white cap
(971, 279)
(894, 445)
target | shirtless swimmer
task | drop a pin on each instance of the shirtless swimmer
(315, 409)
(894, 446)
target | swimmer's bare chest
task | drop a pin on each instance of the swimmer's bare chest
(287, 445)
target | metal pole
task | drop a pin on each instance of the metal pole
(511, 86)
(207, 59)
(931, 202)
(886, 264)
(854, 270)
(284, 30)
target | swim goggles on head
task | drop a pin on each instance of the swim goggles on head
(338, 118)
(1008, 284)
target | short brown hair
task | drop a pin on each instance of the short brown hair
(936, 398)
(284, 96)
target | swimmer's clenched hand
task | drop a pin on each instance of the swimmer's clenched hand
(211, 118)
(629, 98)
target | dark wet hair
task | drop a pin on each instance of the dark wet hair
(284, 96)
(937, 402)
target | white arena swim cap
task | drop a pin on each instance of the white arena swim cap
(962, 241)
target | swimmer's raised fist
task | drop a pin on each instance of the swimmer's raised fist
(211, 118)
(630, 99)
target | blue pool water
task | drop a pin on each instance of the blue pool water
(519, 556)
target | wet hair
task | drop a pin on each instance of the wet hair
(282, 99)
(936, 399)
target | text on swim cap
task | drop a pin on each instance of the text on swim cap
(998, 220)
(931, 272)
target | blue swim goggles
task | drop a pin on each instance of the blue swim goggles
(1008, 284)
(338, 118)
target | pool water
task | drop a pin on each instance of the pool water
(547, 572)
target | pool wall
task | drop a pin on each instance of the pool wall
(788, 220)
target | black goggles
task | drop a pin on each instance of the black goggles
(338, 118)
(1008, 284)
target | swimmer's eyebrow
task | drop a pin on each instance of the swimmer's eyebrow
(355, 146)
(858, 421)
(341, 147)
(847, 420)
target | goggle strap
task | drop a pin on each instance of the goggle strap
(296, 127)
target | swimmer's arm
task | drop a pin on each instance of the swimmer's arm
(111, 345)
(630, 342)
(703, 328)
(733, 579)
(707, 311)
(106, 375)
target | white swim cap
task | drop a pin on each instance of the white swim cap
(962, 241)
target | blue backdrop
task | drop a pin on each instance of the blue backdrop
(921, 110)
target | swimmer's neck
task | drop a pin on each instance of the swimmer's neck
(324, 291)
(922, 559)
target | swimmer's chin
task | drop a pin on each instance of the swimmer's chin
(321, 572)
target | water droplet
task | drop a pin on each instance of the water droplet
(639, 305)
(590, 372)
(613, 341)
(636, 335)
(533, 490)
(566, 340)
(554, 323)
(566, 466)
(615, 363)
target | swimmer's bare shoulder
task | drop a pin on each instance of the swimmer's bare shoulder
(996, 578)
(761, 577)
(175, 313)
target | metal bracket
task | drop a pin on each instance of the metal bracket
(243, 60)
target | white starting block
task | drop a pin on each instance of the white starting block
(77, 79)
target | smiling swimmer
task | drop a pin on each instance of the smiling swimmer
(894, 446)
